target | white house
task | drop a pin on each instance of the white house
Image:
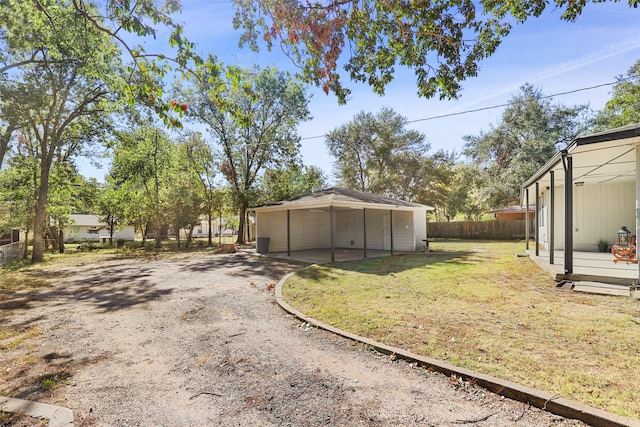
(341, 218)
(90, 228)
(586, 192)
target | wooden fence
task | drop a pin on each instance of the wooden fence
(490, 230)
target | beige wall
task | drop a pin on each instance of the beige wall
(599, 210)
(311, 229)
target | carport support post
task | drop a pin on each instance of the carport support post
(537, 222)
(364, 230)
(333, 249)
(288, 232)
(391, 229)
(552, 213)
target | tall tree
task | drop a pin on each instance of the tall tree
(376, 153)
(60, 97)
(200, 161)
(144, 166)
(624, 106)
(443, 41)
(528, 134)
(253, 116)
(289, 182)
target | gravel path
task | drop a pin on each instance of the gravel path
(199, 340)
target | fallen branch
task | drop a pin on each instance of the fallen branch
(205, 392)
(477, 420)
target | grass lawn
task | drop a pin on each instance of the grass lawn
(485, 309)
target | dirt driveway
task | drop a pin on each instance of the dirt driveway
(198, 340)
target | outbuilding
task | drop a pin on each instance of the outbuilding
(337, 218)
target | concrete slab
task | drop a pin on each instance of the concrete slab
(601, 288)
(58, 416)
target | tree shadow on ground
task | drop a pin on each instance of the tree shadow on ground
(244, 265)
(386, 265)
(111, 288)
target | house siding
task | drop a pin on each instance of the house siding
(599, 210)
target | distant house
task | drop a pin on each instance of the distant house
(342, 218)
(511, 213)
(90, 228)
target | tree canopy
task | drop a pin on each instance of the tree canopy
(442, 42)
(253, 118)
(528, 134)
(376, 153)
(624, 106)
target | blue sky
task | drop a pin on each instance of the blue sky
(554, 55)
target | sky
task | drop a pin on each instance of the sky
(554, 55)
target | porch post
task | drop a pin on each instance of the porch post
(526, 219)
(568, 215)
(364, 230)
(288, 232)
(537, 222)
(552, 219)
(391, 229)
(638, 199)
(333, 250)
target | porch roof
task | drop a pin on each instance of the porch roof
(602, 157)
(342, 198)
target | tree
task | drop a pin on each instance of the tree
(290, 182)
(528, 134)
(200, 161)
(253, 117)
(143, 166)
(624, 106)
(377, 154)
(142, 80)
(59, 93)
(443, 42)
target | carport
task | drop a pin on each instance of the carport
(338, 219)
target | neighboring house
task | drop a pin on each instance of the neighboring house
(342, 218)
(201, 230)
(89, 227)
(586, 192)
(511, 213)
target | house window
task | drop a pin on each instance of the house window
(75, 230)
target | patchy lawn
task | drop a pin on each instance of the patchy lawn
(477, 305)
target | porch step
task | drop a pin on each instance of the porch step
(598, 279)
(602, 288)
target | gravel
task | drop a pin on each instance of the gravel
(199, 340)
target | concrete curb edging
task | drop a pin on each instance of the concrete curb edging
(58, 416)
(551, 403)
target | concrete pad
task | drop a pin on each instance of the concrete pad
(58, 416)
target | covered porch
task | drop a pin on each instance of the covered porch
(583, 196)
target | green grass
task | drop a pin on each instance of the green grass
(477, 305)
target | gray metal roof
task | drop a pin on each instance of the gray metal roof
(599, 157)
(343, 196)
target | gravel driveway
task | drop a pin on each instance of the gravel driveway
(198, 340)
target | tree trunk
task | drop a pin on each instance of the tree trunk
(210, 233)
(40, 216)
(61, 240)
(158, 242)
(243, 212)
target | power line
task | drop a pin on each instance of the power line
(492, 107)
